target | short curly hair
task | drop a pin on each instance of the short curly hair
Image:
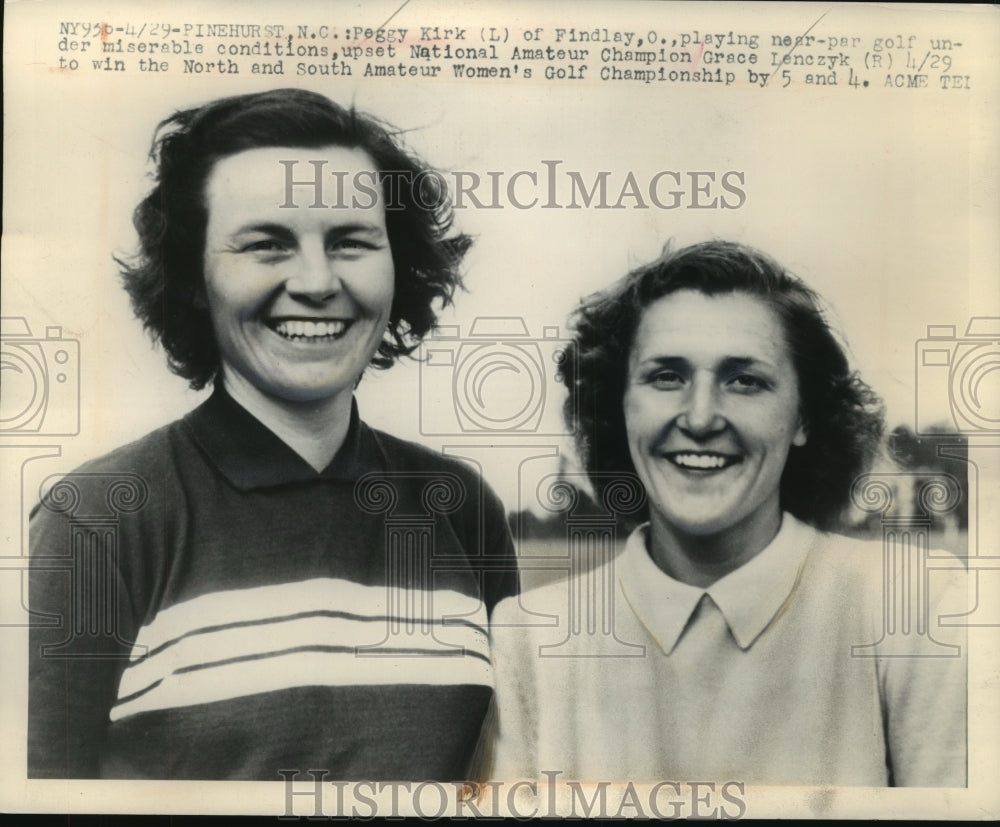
(843, 417)
(165, 280)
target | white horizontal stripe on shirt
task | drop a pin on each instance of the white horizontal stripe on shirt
(293, 669)
(264, 603)
(321, 632)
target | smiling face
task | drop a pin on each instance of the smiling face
(711, 412)
(299, 297)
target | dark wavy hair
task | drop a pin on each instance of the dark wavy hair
(165, 280)
(843, 417)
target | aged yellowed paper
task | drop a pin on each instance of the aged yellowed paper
(855, 143)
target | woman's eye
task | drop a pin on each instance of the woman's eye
(265, 245)
(666, 379)
(747, 382)
(350, 245)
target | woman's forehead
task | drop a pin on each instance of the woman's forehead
(688, 324)
(293, 184)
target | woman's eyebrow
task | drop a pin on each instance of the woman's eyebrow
(727, 364)
(281, 231)
(737, 363)
(369, 228)
(264, 228)
(672, 362)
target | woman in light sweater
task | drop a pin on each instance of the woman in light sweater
(735, 639)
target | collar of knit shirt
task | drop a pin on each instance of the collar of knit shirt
(251, 456)
(749, 598)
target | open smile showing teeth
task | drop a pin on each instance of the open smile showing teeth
(301, 330)
(702, 462)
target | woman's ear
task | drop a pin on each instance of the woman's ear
(801, 435)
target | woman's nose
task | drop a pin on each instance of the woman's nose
(315, 276)
(701, 414)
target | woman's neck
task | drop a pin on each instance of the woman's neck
(702, 559)
(315, 430)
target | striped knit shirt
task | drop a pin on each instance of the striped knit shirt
(206, 605)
